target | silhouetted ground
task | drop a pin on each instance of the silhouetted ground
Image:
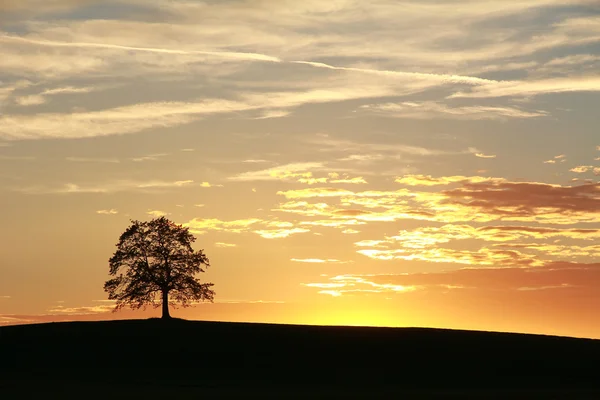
(188, 359)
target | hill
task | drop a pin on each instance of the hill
(161, 358)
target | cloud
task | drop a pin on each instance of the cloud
(201, 226)
(282, 172)
(437, 78)
(428, 180)
(480, 257)
(84, 310)
(354, 284)
(522, 200)
(40, 98)
(425, 244)
(251, 161)
(316, 192)
(554, 276)
(427, 110)
(532, 88)
(119, 120)
(268, 114)
(225, 245)
(317, 260)
(150, 157)
(480, 199)
(582, 169)
(112, 211)
(483, 155)
(108, 187)
(355, 181)
(280, 233)
(157, 213)
(32, 100)
(209, 185)
(369, 151)
(83, 45)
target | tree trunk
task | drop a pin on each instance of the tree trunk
(165, 305)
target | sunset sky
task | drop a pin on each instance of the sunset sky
(398, 163)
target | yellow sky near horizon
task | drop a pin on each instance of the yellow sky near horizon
(413, 163)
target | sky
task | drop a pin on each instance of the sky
(426, 163)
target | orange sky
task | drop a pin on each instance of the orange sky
(364, 163)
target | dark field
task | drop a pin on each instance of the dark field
(188, 359)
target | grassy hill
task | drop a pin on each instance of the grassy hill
(163, 358)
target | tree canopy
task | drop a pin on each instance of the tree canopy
(155, 264)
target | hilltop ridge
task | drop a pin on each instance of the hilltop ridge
(180, 354)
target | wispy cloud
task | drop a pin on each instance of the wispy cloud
(555, 276)
(223, 54)
(108, 187)
(32, 100)
(483, 155)
(149, 157)
(426, 110)
(157, 213)
(286, 171)
(533, 88)
(280, 233)
(201, 226)
(225, 245)
(112, 211)
(318, 260)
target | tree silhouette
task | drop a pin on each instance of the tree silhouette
(155, 260)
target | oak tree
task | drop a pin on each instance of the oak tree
(155, 264)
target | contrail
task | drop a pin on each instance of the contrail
(437, 77)
(470, 80)
(225, 54)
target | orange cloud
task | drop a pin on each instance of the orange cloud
(280, 233)
(482, 256)
(554, 276)
(582, 169)
(478, 199)
(201, 226)
(428, 180)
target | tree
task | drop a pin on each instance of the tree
(154, 264)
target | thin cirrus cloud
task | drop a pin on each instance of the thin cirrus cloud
(281, 172)
(111, 211)
(157, 213)
(427, 110)
(41, 98)
(533, 88)
(109, 187)
(224, 54)
(554, 276)
(140, 117)
(119, 120)
(225, 245)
